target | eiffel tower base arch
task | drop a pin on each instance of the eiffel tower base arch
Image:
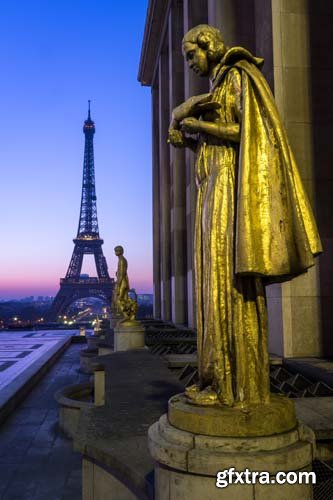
(72, 290)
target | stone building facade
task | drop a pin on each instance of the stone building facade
(295, 39)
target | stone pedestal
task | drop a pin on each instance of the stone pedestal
(187, 462)
(115, 320)
(129, 335)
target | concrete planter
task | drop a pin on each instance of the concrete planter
(71, 400)
(86, 357)
(93, 342)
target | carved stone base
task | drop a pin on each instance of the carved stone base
(187, 463)
(129, 335)
(257, 420)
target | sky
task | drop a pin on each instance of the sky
(54, 56)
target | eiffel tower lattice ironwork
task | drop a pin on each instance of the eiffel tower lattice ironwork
(74, 286)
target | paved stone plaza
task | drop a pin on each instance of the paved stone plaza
(19, 350)
(36, 459)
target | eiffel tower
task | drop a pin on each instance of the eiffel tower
(74, 286)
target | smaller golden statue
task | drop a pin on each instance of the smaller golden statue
(97, 328)
(122, 303)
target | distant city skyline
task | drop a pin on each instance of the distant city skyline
(54, 58)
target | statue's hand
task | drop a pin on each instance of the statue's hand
(190, 125)
(176, 138)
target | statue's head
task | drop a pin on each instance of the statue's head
(203, 48)
(118, 250)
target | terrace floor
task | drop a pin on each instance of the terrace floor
(36, 459)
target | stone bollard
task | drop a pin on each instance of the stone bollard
(99, 385)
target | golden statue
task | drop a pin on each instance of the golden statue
(254, 224)
(122, 303)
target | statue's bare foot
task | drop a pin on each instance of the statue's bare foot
(192, 389)
(206, 397)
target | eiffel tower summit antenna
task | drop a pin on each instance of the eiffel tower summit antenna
(87, 241)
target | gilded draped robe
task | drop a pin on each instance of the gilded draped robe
(254, 225)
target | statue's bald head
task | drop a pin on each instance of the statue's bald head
(207, 38)
(118, 250)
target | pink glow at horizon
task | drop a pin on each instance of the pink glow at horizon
(36, 281)
(19, 290)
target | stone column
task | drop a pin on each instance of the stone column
(194, 13)
(320, 18)
(221, 13)
(178, 172)
(224, 15)
(156, 201)
(263, 43)
(298, 331)
(164, 161)
(235, 19)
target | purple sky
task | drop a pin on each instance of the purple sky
(54, 57)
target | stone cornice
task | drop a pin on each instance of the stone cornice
(155, 26)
